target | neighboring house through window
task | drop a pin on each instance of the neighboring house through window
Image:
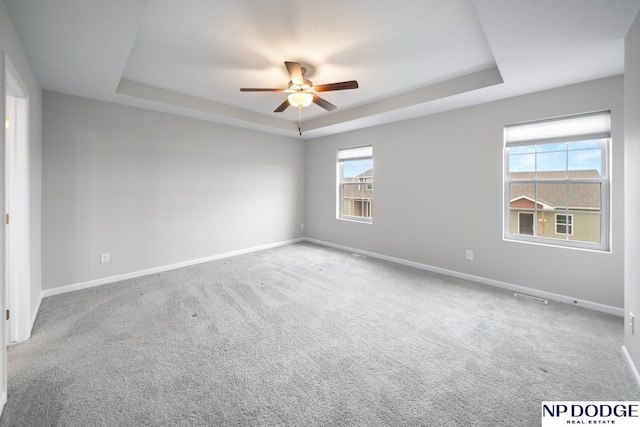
(355, 183)
(557, 181)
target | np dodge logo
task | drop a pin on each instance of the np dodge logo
(619, 414)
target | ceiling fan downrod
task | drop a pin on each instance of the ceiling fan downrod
(300, 120)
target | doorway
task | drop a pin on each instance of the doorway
(16, 207)
(15, 252)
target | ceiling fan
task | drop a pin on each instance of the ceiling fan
(302, 92)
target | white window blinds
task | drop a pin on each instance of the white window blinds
(574, 128)
(355, 153)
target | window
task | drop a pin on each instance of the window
(564, 224)
(557, 181)
(355, 182)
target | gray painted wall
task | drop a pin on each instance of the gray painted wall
(10, 43)
(438, 191)
(154, 189)
(632, 189)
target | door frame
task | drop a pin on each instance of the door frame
(11, 83)
(17, 204)
(3, 332)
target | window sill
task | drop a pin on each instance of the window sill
(356, 219)
(561, 244)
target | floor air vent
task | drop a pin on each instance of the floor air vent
(531, 298)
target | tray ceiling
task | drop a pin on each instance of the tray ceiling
(410, 58)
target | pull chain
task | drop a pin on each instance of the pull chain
(300, 120)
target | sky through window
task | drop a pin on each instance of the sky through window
(574, 155)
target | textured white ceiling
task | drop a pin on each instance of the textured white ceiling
(410, 58)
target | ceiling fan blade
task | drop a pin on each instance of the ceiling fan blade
(282, 106)
(258, 89)
(351, 84)
(295, 72)
(323, 103)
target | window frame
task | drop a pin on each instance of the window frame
(590, 133)
(362, 152)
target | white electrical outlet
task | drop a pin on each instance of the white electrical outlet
(104, 257)
(469, 254)
(632, 323)
(302, 226)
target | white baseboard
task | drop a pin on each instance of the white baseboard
(3, 401)
(160, 269)
(504, 285)
(632, 366)
(34, 315)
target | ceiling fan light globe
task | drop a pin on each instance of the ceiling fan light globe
(300, 99)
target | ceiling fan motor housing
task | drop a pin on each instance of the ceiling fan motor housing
(307, 87)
